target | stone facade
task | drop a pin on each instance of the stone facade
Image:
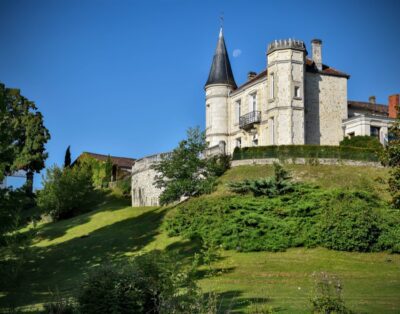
(295, 100)
(143, 191)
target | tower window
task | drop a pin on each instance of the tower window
(271, 86)
(297, 93)
(208, 116)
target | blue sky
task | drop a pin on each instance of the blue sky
(126, 77)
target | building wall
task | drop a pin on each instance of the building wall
(361, 125)
(143, 191)
(325, 108)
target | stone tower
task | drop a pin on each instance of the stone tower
(218, 87)
(286, 71)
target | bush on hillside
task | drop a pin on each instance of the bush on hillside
(277, 185)
(152, 283)
(308, 216)
(365, 141)
(66, 192)
(349, 222)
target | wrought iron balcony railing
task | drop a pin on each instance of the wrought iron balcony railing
(247, 120)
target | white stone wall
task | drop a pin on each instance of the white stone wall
(361, 125)
(143, 191)
(217, 113)
(325, 108)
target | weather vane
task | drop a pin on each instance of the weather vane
(221, 18)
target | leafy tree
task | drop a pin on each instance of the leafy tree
(108, 171)
(66, 192)
(22, 137)
(391, 157)
(186, 172)
(67, 158)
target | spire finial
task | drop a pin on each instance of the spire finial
(221, 20)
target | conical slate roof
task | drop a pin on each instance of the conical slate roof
(221, 71)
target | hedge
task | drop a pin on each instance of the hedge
(306, 151)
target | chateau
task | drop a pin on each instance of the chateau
(295, 100)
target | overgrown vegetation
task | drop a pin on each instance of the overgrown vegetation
(100, 170)
(391, 158)
(286, 214)
(186, 171)
(279, 184)
(327, 295)
(362, 141)
(289, 152)
(152, 283)
(66, 191)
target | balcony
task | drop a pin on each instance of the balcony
(249, 119)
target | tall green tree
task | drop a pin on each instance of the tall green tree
(67, 158)
(185, 172)
(391, 158)
(23, 135)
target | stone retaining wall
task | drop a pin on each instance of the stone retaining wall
(303, 161)
(143, 192)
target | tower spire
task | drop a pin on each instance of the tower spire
(221, 71)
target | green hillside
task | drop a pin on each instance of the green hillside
(64, 251)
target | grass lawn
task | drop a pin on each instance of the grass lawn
(63, 252)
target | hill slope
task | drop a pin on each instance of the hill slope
(64, 251)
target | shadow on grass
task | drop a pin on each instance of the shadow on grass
(100, 201)
(62, 267)
(234, 302)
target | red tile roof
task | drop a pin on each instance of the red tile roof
(373, 108)
(123, 162)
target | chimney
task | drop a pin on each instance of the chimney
(316, 45)
(251, 75)
(394, 101)
(372, 100)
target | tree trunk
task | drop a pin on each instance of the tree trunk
(29, 183)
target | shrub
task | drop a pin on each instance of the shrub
(349, 222)
(310, 152)
(123, 187)
(365, 141)
(152, 283)
(66, 192)
(307, 216)
(327, 296)
(60, 305)
(277, 185)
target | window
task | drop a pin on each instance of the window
(271, 86)
(208, 116)
(255, 140)
(238, 111)
(297, 92)
(253, 102)
(375, 131)
(239, 142)
(350, 135)
(271, 127)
